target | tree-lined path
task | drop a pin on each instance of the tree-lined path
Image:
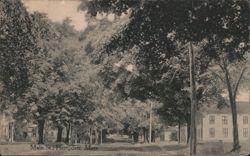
(140, 68)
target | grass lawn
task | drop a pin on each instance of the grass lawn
(221, 149)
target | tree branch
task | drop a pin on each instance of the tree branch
(221, 67)
(238, 81)
(220, 77)
(170, 82)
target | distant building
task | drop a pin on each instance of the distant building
(169, 134)
(23, 131)
(172, 134)
(216, 124)
(6, 127)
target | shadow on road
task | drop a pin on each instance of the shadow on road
(122, 140)
(143, 148)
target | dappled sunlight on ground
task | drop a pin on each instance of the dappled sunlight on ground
(123, 146)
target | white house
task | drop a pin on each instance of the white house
(216, 124)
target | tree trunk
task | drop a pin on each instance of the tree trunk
(188, 128)
(67, 133)
(236, 143)
(193, 137)
(188, 132)
(101, 136)
(179, 133)
(40, 131)
(11, 132)
(150, 124)
(90, 137)
(59, 134)
(96, 137)
(144, 134)
(147, 139)
(153, 136)
(232, 99)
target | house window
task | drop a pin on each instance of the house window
(211, 119)
(211, 132)
(224, 120)
(245, 119)
(225, 132)
(245, 132)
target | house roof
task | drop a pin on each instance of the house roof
(242, 108)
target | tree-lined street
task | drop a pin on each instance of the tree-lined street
(140, 75)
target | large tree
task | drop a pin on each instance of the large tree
(22, 38)
(18, 43)
(58, 75)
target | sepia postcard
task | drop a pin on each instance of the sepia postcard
(125, 77)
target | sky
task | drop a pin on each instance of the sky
(58, 10)
(243, 96)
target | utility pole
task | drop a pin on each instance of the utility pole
(193, 137)
(12, 131)
(249, 90)
(150, 122)
(249, 118)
